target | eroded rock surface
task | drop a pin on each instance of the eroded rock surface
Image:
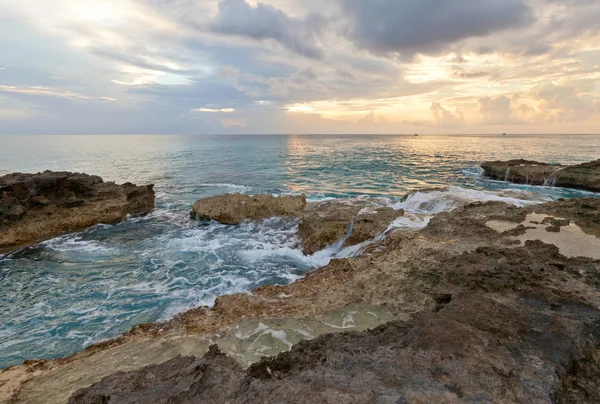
(236, 208)
(209, 379)
(583, 176)
(506, 328)
(39, 206)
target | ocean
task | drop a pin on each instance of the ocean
(61, 295)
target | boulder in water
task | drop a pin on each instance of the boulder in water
(40, 206)
(236, 208)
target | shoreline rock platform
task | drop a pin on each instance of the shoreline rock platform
(479, 308)
(35, 207)
(582, 176)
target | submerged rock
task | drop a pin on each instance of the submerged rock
(583, 176)
(40, 206)
(236, 208)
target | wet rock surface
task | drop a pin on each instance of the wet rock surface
(323, 224)
(583, 176)
(39, 206)
(485, 318)
(582, 211)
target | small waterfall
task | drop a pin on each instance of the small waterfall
(506, 177)
(551, 181)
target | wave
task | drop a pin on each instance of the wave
(433, 202)
(75, 242)
(240, 188)
(475, 171)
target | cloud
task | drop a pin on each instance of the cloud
(496, 111)
(15, 114)
(265, 22)
(444, 117)
(212, 110)
(369, 66)
(546, 104)
(49, 92)
(428, 26)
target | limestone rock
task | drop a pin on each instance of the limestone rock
(235, 208)
(583, 176)
(39, 206)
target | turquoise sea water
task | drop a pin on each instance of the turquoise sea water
(66, 293)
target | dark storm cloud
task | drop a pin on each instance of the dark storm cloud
(428, 26)
(265, 22)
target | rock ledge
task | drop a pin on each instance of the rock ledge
(583, 176)
(39, 206)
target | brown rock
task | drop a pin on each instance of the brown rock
(583, 176)
(209, 379)
(39, 206)
(326, 223)
(235, 208)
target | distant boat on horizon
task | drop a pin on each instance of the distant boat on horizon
(416, 134)
(504, 134)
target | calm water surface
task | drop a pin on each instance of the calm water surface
(66, 293)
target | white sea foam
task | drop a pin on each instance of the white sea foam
(475, 171)
(434, 202)
(235, 187)
(410, 222)
(75, 242)
(320, 198)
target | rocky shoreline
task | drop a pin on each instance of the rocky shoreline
(488, 303)
(35, 207)
(582, 176)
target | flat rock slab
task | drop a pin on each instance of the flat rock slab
(583, 176)
(39, 206)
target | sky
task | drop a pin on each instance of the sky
(299, 66)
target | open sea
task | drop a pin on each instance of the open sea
(66, 293)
